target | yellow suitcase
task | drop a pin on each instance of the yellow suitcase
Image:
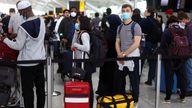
(116, 101)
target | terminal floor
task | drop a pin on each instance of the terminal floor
(147, 94)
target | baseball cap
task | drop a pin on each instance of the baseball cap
(23, 4)
(169, 11)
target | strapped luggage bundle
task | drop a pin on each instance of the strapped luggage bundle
(116, 101)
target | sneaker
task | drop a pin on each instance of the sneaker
(135, 105)
(148, 83)
(182, 100)
(167, 101)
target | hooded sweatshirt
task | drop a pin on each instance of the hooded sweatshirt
(30, 40)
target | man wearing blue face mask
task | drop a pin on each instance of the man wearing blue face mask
(127, 45)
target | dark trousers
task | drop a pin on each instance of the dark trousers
(106, 79)
(65, 67)
(33, 76)
(178, 67)
(149, 51)
(120, 81)
(152, 70)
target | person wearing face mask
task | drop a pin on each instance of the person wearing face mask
(80, 44)
(127, 45)
(73, 14)
(30, 43)
(172, 66)
(66, 31)
(186, 24)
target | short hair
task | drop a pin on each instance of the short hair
(12, 10)
(137, 11)
(108, 11)
(182, 15)
(96, 14)
(172, 19)
(65, 10)
(85, 23)
(127, 5)
(151, 11)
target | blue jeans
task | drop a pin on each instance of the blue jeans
(188, 67)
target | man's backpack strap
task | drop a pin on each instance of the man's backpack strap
(132, 28)
(120, 27)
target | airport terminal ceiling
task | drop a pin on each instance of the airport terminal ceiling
(50, 4)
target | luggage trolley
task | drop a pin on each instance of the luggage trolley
(10, 92)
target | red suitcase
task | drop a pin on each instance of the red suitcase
(77, 93)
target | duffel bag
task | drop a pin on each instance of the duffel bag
(116, 101)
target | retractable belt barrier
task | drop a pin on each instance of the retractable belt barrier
(8, 62)
(49, 62)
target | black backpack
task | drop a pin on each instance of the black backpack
(98, 48)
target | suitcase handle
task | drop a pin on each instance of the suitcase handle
(82, 63)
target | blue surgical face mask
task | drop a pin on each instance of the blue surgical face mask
(77, 27)
(126, 16)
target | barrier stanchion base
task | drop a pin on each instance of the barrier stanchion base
(56, 93)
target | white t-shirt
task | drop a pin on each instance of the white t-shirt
(15, 21)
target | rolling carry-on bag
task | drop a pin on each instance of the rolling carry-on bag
(76, 93)
(116, 101)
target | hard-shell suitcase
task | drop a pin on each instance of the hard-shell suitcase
(116, 101)
(76, 93)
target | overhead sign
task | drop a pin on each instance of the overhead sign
(82, 6)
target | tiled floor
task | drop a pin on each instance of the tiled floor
(147, 94)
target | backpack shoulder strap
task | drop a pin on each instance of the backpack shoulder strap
(120, 27)
(132, 28)
(80, 34)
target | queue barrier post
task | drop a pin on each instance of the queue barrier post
(159, 56)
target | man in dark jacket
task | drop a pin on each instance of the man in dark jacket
(147, 25)
(173, 66)
(66, 31)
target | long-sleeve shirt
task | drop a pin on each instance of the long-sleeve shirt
(30, 40)
(84, 47)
